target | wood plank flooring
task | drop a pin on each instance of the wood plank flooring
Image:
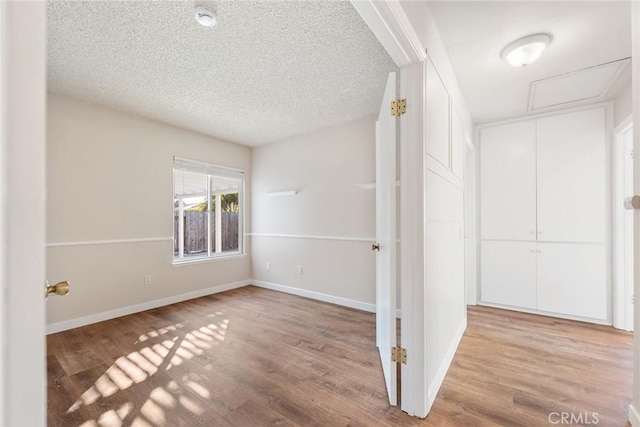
(253, 357)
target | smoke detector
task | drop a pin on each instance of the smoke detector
(205, 16)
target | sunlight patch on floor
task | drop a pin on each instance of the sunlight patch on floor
(163, 397)
(114, 417)
(198, 389)
(191, 405)
(153, 412)
(138, 366)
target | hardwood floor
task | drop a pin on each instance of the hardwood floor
(252, 357)
(516, 369)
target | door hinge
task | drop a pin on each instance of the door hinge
(399, 355)
(398, 107)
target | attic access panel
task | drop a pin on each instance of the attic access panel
(575, 86)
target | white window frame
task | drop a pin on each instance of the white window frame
(211, 170)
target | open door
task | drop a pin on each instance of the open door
(386, 237)
(22, 213)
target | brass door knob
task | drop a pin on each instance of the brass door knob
(60, 288)
(375, 247)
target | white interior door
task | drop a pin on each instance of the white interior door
(386, 237)
(22, 210)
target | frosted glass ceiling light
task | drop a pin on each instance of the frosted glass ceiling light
(526, 50)
(205, 16)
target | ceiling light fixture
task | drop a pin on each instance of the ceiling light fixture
(526, 50)
(205, 16)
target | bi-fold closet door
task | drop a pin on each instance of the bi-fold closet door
(543, 215)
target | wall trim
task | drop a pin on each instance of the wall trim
(136, 308)
(634, 416)
(52, 328)
(554, 242)
(441, 373)
(314, 237)
(608, 105)
(346, 302)
(605, 322)
(318, 296)
(107, 241)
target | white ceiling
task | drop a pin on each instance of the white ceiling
(585, 34)
(268, 70)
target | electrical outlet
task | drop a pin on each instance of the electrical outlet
(147, 280)
(300, 270)
(268, 266)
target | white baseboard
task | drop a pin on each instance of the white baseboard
(634, 416)
(434, 387)
(606, 322)
(364, 306)
(124, 311)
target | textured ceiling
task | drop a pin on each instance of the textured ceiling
(585, 33)
(268, 70)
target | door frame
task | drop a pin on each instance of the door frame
(621, 305)
(634, 408)
(391, 26)
(471, 224)
(22, 206)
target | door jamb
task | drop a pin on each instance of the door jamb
(471, 225)
(620, 304)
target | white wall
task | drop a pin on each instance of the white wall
(325, 168)
(109, 178)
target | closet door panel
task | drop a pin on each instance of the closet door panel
(508, 273)
(572, 279)
(571, 177)
(508, 182)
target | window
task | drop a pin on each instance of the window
(207, 210)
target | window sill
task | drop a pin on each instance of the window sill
(200, 260)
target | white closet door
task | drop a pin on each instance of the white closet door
(508, 182)
(572, 279)
(571, 177)
(508, 273)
